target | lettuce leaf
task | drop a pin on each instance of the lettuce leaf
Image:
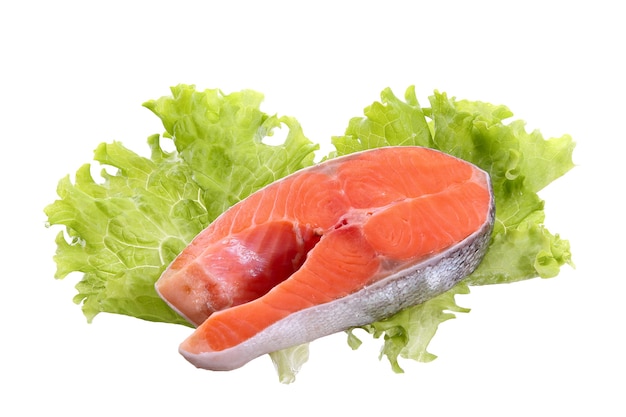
(221, 138)
(408, 333)
(520, 165)
(288, 362)
(122, 230)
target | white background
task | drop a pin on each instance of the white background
(74, 74)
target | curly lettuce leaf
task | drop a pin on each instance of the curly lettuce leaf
(520, 165)
(221, 138)
(408, 333)
(122, 231)
(288, 362)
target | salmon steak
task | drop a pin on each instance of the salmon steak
(341, 244)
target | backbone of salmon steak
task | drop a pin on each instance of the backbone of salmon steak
(341, 244)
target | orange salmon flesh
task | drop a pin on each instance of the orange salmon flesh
(341, 244)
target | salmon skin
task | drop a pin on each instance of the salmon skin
(341, 244)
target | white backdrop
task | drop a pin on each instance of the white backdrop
(74, 74)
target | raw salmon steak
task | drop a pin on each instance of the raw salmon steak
(342, 244)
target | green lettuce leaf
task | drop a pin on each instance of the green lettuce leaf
(408, 333)
(122, 231)
(520, 165)
(221, 138)
(288, 362)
